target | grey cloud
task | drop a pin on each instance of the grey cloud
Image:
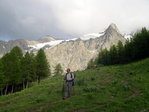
(32, 19)
(26, 19)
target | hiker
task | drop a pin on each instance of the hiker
(69, 78)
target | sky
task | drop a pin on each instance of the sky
(33, 19)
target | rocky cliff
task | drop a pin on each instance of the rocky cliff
(75, 54)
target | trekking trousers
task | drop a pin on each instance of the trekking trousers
(68, 89)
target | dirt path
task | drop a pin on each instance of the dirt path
(105, 81)
(10, 101)
(39, 107)
(87, 109)
(134, 93)
(5, 104)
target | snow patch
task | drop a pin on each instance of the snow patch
(41, 45)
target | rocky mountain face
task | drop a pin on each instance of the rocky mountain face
(75, 53)
(25, 45)
(7, 46)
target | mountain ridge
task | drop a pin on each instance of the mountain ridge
(72, 53)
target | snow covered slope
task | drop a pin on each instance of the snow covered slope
(45, 44)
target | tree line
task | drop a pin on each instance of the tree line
(18, 70)
(134, 49)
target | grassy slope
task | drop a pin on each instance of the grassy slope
(105, 89)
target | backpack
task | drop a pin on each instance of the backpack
(73, 82)
(71, 74)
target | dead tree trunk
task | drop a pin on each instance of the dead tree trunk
(27, 84)
(6, 89)
(12, 88)
(23, 85)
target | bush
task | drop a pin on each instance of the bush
(92, 78)
(80, 82)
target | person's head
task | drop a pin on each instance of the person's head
(68, 70)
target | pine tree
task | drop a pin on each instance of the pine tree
(15, 57)
(113, 55)
(12, 68)
(33, 66)
(6, 70)
(100, 57)
(120, 52)
(2, 78)
(127, 51)
(42, 66)
(106, 57)
(28, 69)
(140, 44)
(58, 69)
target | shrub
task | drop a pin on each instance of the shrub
(80, 82)
(92, 78)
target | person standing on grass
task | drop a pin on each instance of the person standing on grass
(69, 78)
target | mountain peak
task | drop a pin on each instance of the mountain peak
(113, 27)
(46, 38)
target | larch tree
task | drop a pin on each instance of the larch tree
(28, 69)
(42, 66)
(58, 69)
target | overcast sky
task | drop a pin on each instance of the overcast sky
(32, 19)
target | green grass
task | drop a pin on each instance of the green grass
(118, 88)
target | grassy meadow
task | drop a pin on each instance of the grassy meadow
(118, 88)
